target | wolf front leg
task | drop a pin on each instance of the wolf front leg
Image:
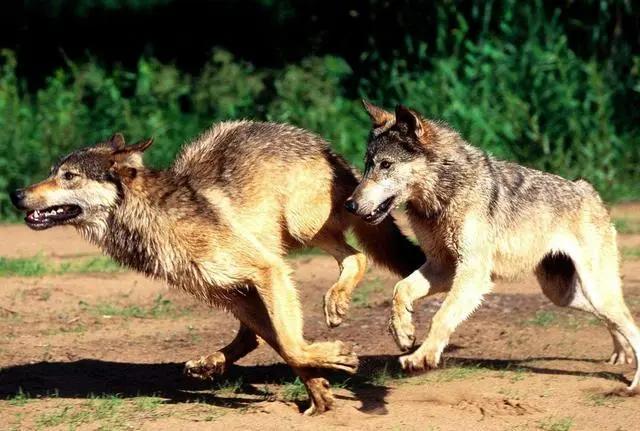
(217, 363)
(424, 281)
(353, 265)
(471, 282)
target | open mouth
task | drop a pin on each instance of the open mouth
(52, 216)
(380, 212)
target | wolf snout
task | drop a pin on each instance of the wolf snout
(351, 205)
(17, 198)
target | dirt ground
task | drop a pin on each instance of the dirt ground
(105, 351)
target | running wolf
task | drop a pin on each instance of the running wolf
(218, 223)
(478, 219)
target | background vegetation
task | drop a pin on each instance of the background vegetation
(552, 84)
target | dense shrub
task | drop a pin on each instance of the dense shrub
(522, 92)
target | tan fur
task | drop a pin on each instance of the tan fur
(480, 219)
(218, 224)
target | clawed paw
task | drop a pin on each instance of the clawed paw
(417, 362)
(206, 367)
(336, 305)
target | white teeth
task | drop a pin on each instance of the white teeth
(59, 210)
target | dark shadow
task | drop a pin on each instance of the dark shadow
(525, 365)
(89, 377)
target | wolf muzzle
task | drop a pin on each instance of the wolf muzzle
(17, 199)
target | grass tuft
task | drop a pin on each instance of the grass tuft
(627, 226)
(294, 391)
(161, 308)
(38, 266)
(543, 318)
(556, 424)
(630, 252)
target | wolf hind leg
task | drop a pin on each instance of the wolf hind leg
(601, 288)
(559, 281)
(251, 310)
(282, 305)
(353, 265)
(218, 362)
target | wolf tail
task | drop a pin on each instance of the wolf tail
(388, 247)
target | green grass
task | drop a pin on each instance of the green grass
(305, 252)
(229, 387)
(294, 391)
(161, 308)
(382, 376)
(543, 318)
(19, 399)
(361, 295)
(148, 404)
(630, 252)
(106, 410)
(627, 225)
(38, 266)
(603, 400)
(556, 424)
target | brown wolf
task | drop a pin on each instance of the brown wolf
(478, 219)
(218, 223)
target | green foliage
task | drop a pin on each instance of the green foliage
(506, 75)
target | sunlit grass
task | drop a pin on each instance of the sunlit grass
(38, 266)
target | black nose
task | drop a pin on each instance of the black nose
(17, 196)
(351, 206)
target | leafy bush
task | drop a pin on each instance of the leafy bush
(506, 75)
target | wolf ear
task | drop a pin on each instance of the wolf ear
(412, 120)
(131, 155)
(116, 141)
(379, 117)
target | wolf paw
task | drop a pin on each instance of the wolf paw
(320, 395)
(336, 305)
(332, 354)
(418, 362)
(621, 357)
(402, 329)
(206, 367)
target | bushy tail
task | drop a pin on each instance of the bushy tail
(388, 247)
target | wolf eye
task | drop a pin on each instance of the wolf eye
(69, 176)
(385, 164)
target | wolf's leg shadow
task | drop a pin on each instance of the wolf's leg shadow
(218, 362)
(426, 280)
(353, 265)
(472, 280)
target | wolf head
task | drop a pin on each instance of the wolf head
(399, 145)
(83, 187)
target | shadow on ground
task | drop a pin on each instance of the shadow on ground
(89, 378)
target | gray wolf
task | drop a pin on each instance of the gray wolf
(478, 219)
(217, 225)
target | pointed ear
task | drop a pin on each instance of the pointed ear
(131, 155)
(379, 117)
(140, 146)
(411, 119)
(116, 141)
